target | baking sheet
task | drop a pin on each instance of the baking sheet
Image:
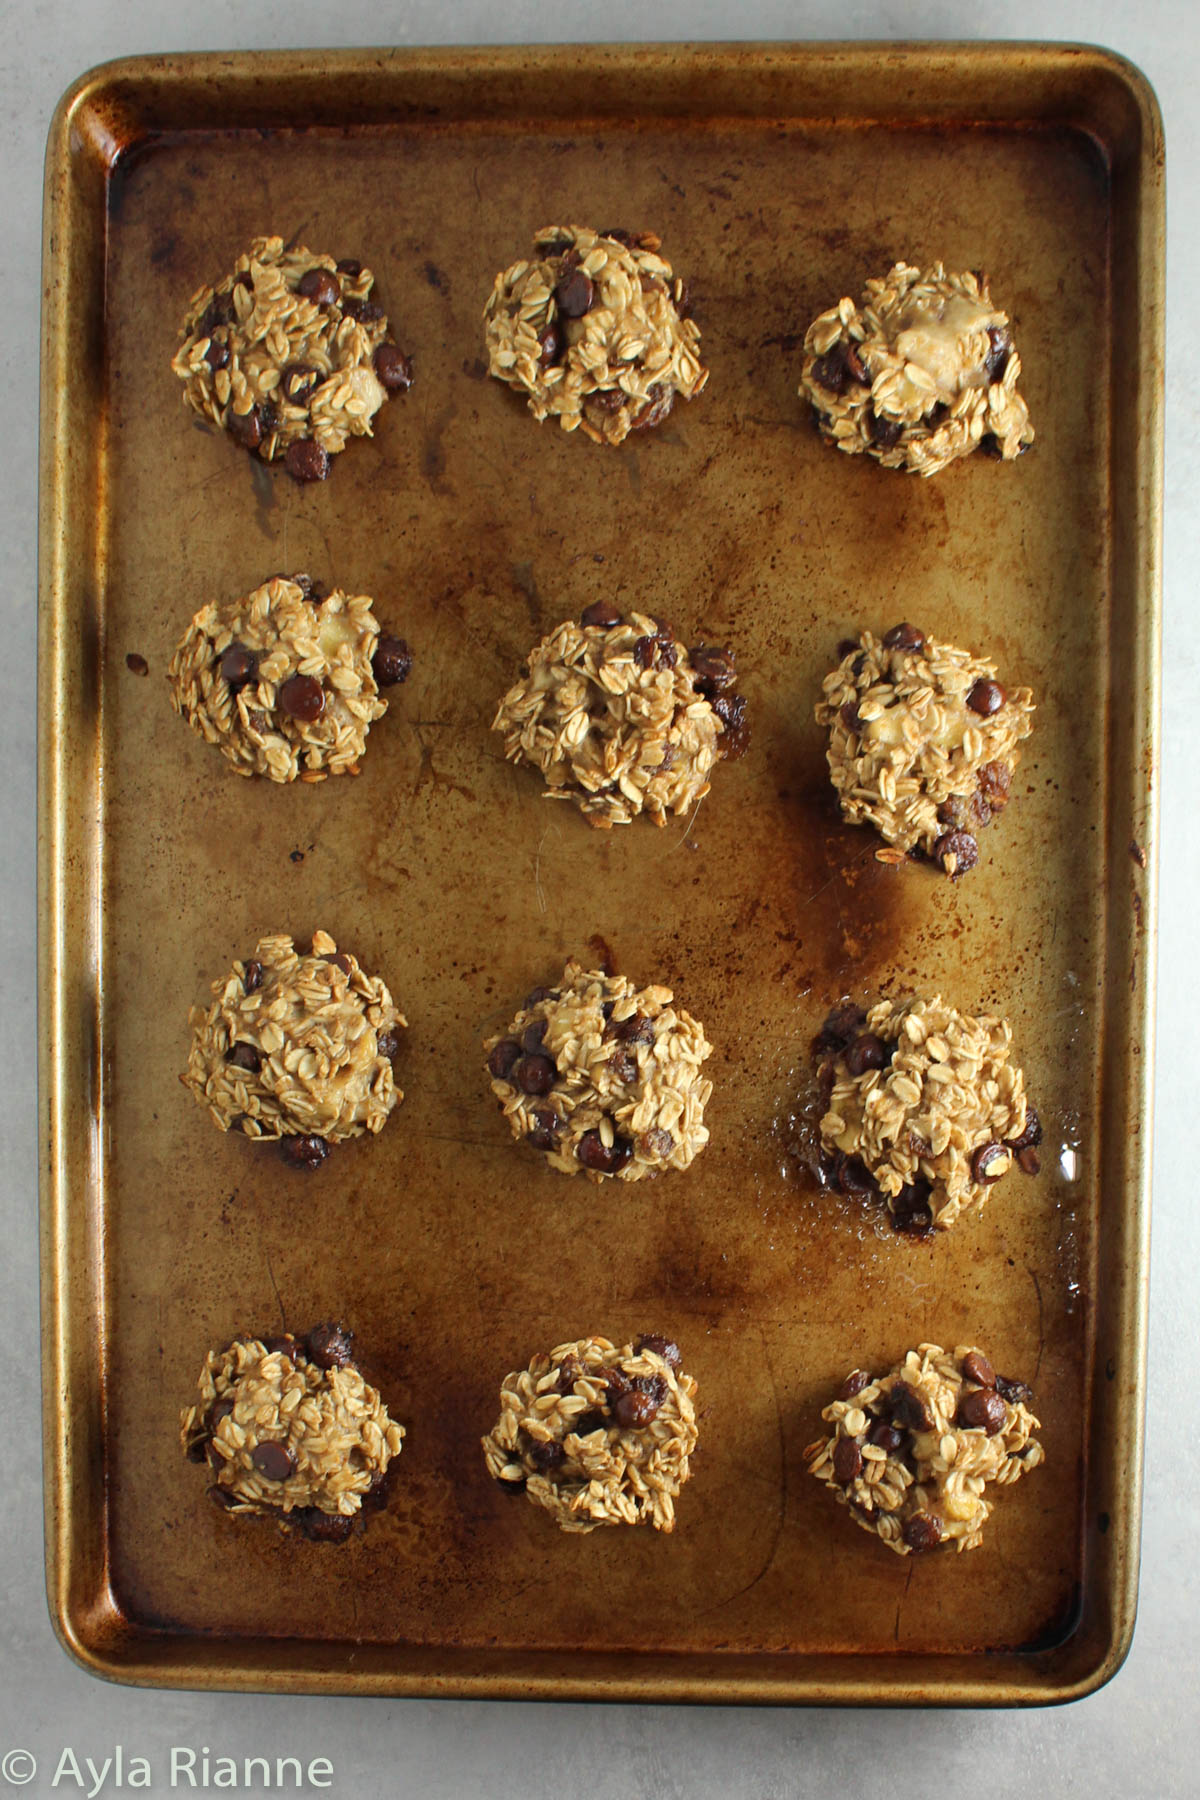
(453, 1255)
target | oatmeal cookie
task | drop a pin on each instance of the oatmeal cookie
(286, 681)
(924, 1108)
(594, 329)
(621, 718)
(290, 355)
(923, 372)
(603, 1077)
(596, 1435)
(289, 1427)
(913, 1451)
(296, 1048)
(923, 742)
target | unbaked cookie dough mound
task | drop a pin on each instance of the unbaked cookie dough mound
(288, 1427)
(593, 328)
(923, 742)
(603, 1077)
(290, 355)
(621, 718)
(925, 1108)
(597, 1435)
(922, 372)
(296, 1048)
(285, 682)
(913, 1452)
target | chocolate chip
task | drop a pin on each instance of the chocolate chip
(852, 1176)
(252, 976)
(303, 697)
(217, 355)
(908, 1408)
(917, 1220)
(221, 1497)
(350, 266)
(273, 1460)
(574, 294)
(303, 1152)
(855, 367)
(830, 371)
(635, 1410)
(394, 369)
(999, 351)
(645, 652)
(962, 847)
(867, 1052)
(547, 1456)
(538, 994)
(341, 961)
(243, 280)
(660, 1346)
(1028, 1160)
(387, 1044)
(986, 697)
(683, 298)
(534, 1074)
(239, 667)
(392, 661)
(319, 286)
(888, 1438)
(330, 1346)
(885, 432)
(322, 1527)
(297, 382)
(982, 1407)
(1032, 1133)
(600, 612)
(937, 415)
(546, 1129)
(306, 460)
(658, 1142)
(636, 1029)
(735, 727)
(367, 312)
(605, 1159)
(713, 669)
(854, 1383)
(984, 1160)
(219, 311)
(247, 427)
(503, 1056)
(905, 637)
(280, 1346)
(843, 1024)
(1015, 1392)
(590, 1421)
(513, 1482)
(991, 446)
(847, 1461)
(976, 1367)
(551, 346)
(994, 779)
(244, 1056)
(922, 1532)
(849, 715)
(220, 1409)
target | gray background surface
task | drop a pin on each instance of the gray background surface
(1140, 1735)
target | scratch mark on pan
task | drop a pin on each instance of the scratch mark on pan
(781, 1515)
(901, 1600)
(538, 889)
(275, 1291)
(680, 842)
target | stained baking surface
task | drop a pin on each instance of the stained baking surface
(453, 1253)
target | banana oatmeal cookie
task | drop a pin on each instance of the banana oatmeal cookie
(923, 372)
(296, 1049)
(923, 742)
(924, 1108)
(290, 355)
(286, 681)
(596, 1435)
(594, 328)
(289, 1427)
(912, 1451)
(603, 1077)
(621, 718)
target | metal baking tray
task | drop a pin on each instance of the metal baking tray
(779, 177)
